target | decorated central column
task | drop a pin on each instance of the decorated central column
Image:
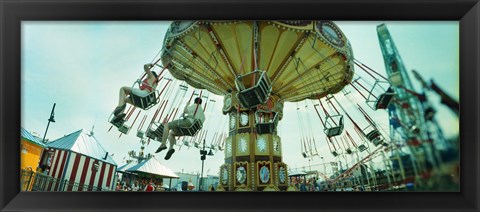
(253, 149)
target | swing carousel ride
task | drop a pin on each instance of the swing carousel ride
(257, 66)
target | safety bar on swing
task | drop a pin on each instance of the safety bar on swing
(144, 102)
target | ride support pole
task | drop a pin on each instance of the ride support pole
(372, 70)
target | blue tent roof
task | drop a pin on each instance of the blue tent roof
(27, 135)
(126, 166)
(82, 142)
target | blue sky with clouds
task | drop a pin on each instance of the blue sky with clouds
(81, 65)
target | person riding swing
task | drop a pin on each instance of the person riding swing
(147, 86)
(191, 114)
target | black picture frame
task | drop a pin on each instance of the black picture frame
(14, 11)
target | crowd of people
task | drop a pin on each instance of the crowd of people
(140, 184)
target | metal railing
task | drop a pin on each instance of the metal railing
(31, 181)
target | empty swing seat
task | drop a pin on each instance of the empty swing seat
(336, 129)
(362, 147)
(384, 99)
(266, 127)
(145, 102)
(258, 93)
(377, 141)
(373, 135)
(304, 154)
(192, 129)
(118, 124)
(335, 153)
(124, 129)
(117, 121)
(140, 134)
(349, 151)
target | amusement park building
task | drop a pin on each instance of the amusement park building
(80, 159)
(31, 149)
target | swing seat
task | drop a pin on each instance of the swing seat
(304, 154)
(349, 151)
(145, 102)
(335, 153)
(196, 145)
(192, 129)
(362, 147)
(267, 127)
(186, 143)
(118, 124)
(373, 135)
(124, 129)
(384, 99)
(377, 141)
(120, 120)
(213, 147)
(140, 134)
(258, 93)
(336, 129)
(157, 133)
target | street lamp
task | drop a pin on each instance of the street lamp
(51, 119)
(203, 156)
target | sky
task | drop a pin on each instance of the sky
(80, 66)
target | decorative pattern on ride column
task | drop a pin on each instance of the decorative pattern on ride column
(281, 174)
(261, 145)
(264, 173)
(243, 147)
(228, 147)
(277, 146)
(241, 173)
(225, 175)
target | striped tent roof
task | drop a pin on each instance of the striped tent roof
(28, 136)
(83, 142)
(153, 166)
(123, 168)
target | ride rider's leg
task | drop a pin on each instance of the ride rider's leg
(124, 91)
(165, 135)
(171, 138)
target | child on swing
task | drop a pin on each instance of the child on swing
(190, 114)
(147, 86)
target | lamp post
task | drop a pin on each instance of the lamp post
(203, 156)
(51, 119)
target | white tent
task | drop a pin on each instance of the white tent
(296, 173)
(153, 166)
